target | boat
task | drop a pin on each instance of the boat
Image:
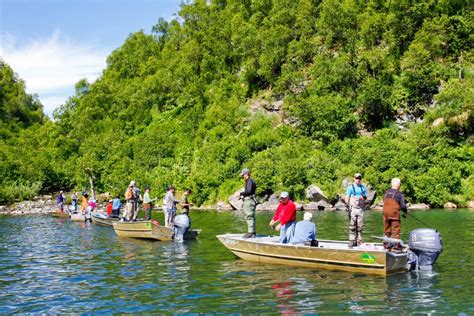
(103, 219)
(336, 255)
(59, 213)
(78, 217)
(148, 230)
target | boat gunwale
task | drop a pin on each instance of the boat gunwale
(256, 241)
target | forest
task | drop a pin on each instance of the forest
(299, 91)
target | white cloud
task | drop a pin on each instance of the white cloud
(51, 67)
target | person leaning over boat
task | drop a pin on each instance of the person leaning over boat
(147, 203)
(305, 230)
(84, 202)
(169, 206)
(393, 202)
(286, 216)
(356, 194)
(128, 213)
(250, 202)
(116, 205)
(60, 200)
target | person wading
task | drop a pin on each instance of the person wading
(393, 202)
(356, 194)
(250, 203)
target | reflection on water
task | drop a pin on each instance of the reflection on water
(51, 265)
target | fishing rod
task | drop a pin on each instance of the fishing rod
(417, 219)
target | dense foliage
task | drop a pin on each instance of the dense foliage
(185, 104)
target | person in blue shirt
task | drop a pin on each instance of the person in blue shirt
(116, 205)
(305, 230)
(60, 201)
(356, 194)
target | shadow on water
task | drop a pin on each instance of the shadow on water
(51, 265)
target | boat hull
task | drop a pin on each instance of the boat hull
(103, 221)
(78, 217)
(333, 255)
(148, 230)
(59, 214)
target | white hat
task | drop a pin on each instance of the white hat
(307, 216)
(284, 195)
(132, 183)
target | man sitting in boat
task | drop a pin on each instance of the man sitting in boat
(286, 216)
(305, 231)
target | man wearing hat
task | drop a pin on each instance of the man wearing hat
(250, 203)
(147, 203)
(356, 194)
(286, 216)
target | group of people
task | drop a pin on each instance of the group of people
(304, 231)
(133, 198)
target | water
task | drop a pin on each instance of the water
(50, 265)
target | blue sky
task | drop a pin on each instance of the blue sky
(52, 44)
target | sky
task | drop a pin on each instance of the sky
(52, 44)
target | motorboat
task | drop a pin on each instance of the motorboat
(370, 258)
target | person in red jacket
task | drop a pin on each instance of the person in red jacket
(108, 208)
(285, 216)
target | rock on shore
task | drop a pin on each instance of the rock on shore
(38, 205)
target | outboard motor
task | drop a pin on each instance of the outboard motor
(181, 225)
(426, 245)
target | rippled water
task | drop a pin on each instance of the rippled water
(50, 265)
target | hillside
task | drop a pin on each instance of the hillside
(300, 92)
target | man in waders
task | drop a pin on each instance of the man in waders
(356, 194)
(393, 202)
(250, 203)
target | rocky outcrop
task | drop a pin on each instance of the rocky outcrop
(222, 206)
(235, 201)
(315, 194)
(450, 205)
(470, 204)
(38, 205)
(270, 204)
(371, 196)
(318, 206)
(419, 206)
(340, 205)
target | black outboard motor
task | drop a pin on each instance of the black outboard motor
(426, 245)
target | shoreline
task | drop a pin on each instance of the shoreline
(45, 204)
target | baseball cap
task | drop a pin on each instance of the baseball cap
(284, 195)
(244, 171)
(357, 176)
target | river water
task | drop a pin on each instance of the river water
(50, 265)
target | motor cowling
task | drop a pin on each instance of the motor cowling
(426, 245)
(181, 224)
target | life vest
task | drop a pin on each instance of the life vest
(391, 208)
(128, 195)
